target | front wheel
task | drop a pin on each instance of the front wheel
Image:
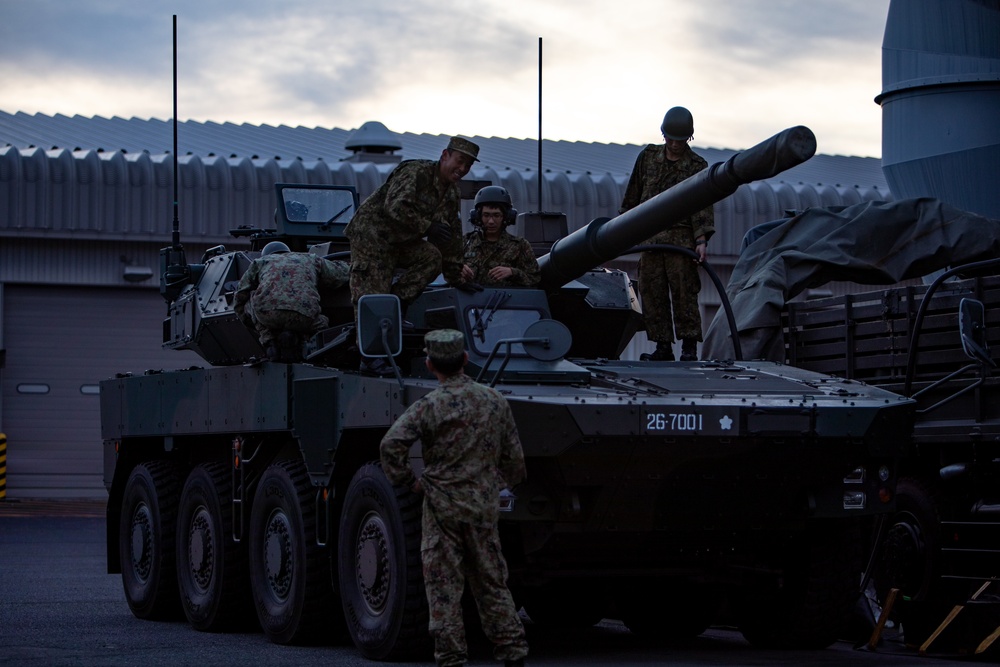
(288, 569)
(379, 568)
(146, 540)
(818, 592)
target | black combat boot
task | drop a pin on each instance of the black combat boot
(689, 350)
(514, 663)
(663, 352)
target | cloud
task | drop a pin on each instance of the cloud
(610, 70)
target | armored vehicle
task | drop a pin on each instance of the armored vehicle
(655, 490)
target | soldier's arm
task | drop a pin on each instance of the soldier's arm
(525, 266)
(403, 202)
(634, 188)
(248, 283)
(511, 453)
(394, 450)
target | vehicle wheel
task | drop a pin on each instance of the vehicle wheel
(817, 596)
(379, 569)
(669, 610)
(908, 560)
(146, 533)
(566, 604)
(211, 566)
(289, 571)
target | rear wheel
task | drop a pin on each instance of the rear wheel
(211, 566)
(288, 569)
(380, 573)
(814, 601)
(908, 560)
(146, 540)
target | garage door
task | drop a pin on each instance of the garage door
(60, 342)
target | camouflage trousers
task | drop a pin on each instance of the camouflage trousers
(372, 270)
(454, 553)
(270, 323)
(666, 277)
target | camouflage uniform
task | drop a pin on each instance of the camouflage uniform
(471, 451)
(280, 292)
(387, 233)
(513, 251)
(664, 276)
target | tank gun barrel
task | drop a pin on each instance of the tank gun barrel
(605, 239)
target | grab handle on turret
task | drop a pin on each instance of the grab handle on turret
(605, 239)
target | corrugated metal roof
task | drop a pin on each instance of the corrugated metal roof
(135, 135)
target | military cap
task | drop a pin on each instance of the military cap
(444, 344)
(464, 146)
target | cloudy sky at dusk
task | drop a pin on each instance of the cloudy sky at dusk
(745, 68)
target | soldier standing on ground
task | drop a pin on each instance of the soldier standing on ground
(666, 276)
(279, 298)
(493, 257)
(471, 452)
(419, 200)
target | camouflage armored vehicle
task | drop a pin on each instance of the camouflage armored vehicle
(655, 490)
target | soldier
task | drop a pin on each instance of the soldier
(471, 452)
(419, 200)
(663, 275)
(492, 256)
(279, 298)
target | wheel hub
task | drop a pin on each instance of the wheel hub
(142, 542)
(372, 562)
(278, 555)
(201, 550)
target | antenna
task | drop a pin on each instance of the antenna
(174, 270)
(176, 236)
(540, 207)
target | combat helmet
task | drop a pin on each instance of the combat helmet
(678, 124)
(273, 247)
(493, 195)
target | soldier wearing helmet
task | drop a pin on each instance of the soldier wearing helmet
(492, 256)
(279, 298)
(666, 276)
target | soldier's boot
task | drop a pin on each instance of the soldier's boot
(689, 350)
(664, 352)
(514, 663)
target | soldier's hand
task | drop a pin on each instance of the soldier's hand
(501, 272)
(439, 233)
(467, 272)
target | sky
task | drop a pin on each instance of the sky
(746, 69)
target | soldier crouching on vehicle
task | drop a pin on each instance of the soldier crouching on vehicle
(279, 298)
(419, 200)
(471, 452)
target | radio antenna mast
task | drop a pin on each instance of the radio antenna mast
(540, 206)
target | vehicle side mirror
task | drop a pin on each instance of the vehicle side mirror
(379, 325)
(972, 329)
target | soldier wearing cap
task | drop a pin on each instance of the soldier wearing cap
(411, 222)
(471, 452)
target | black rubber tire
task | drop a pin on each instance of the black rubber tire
(567, 604)
(908, 560)
(146, 532)
(379, 569)
(812, 608)
(289, 571)
(211, 566)
(669, 610)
